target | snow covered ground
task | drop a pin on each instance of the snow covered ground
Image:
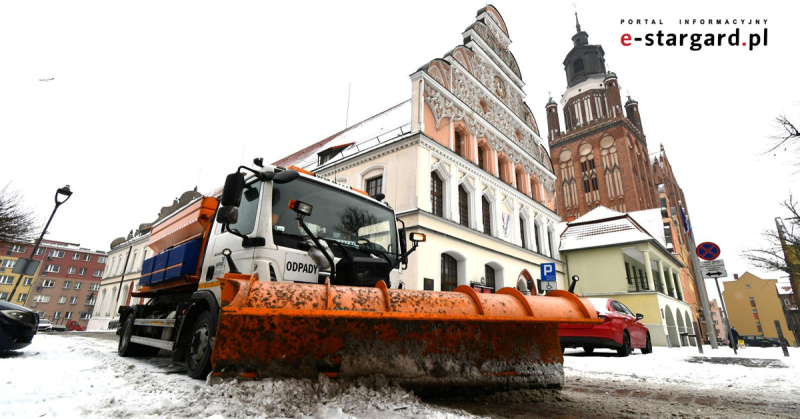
(80, 375)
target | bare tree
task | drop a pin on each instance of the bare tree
(17, 223)
(787, 136)
(781, 248)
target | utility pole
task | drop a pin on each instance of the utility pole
(699, 282)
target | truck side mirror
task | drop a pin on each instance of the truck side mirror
(228, 215)
(403, 246)
(285, 176)
(232, 191)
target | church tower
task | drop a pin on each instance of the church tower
(601, 158)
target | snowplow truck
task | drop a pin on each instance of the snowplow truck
(286, 274)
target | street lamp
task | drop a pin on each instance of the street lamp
(27, 268)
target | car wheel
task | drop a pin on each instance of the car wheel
(648, 347)
(126, 348)
(625, 349)
(198, 354)
(588, 349)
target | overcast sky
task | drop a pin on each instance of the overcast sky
(150, 99)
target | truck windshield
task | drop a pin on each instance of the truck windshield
(337, 216)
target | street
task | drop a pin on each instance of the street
(86, 378)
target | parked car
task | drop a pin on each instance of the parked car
(70, 325)
(755, 340)
(620, 330)
(17, 326)
(45, 325)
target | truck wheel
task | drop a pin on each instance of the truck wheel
(198, 354)
(127, 348)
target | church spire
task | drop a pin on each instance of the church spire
(577, 24)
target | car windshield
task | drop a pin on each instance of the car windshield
(337, 216)
(44, 321)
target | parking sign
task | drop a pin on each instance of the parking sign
(548, 271)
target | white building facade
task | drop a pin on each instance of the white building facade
(461, 161)
(120, 279)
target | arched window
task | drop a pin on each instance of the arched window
(458, 145)
(111, 301)
(537, 235)
(486, 207)
(489, 276)
(100, 306)
(449, 273)
(482, 158)
(505, 170)
(522, 231)
(463, 206)
(437, 201)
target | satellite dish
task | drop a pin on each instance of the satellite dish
(118, 241)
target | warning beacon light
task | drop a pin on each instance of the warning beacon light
(300, 207)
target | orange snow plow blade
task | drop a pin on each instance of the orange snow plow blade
(428, 341)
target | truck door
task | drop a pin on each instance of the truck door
(246, 225)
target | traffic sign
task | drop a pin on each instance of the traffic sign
(707, 251)
(548, 271)
(713, 268)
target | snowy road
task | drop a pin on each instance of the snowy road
(79, 375)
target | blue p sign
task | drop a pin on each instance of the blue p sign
(548, 271)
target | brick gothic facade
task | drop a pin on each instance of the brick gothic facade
(602, 157)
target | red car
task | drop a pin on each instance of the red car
(621, 330)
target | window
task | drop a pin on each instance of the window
(374, 186)
(73, 300)
(48, 283)
(21, 297)
(449, 273)
(39, 298)
(68, 315)
(747, 286)
(56, 315)
(56, 254)
(82, 271)
(428, 284)
(248, 209)
(786, 302)
(3, 296)
(486, 208)
(101, 259)
(522, 231)
(39, 252)
(62, 299)
(77, 285)
(758, 326)
(71, 270)
(89, 301)
(99, 272)
(755, 311)
(458, 144)
(76, 256)
(752, 302)
(463, 206)
(6, 280)
(18, 248)
(67, 285)
(577, 66)
(94, 287)
(536, 238)
(87, 258)
(27, 281)
(437, 203)
(8, 263)
(489, 276)
(52, 268)
(482, 159)
(628, 273)
(85, 315)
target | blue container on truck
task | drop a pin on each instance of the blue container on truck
(147, 271)
(183, 260)
(159, 268)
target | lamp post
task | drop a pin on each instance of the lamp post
(61, 196)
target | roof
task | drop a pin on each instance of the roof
(784, 289)
(376, 127)
(603, 227)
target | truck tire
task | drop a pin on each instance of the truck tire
(198, 352)
(126, 348)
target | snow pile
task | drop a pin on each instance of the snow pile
(82, 377)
